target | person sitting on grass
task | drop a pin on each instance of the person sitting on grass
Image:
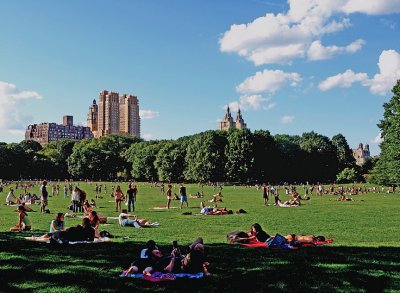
(95, 222)
(217, 197)
(87, 208)
(256, 234)
(148, 258)
(84, 232)
(11, 199)
(93, 203)
(24, 222)
(58, 223)
(192, 263)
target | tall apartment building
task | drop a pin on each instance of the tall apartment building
(114, 115)
(228, 122)
(44, 133)
(129, 120)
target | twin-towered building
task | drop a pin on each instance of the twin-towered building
(228, 123)
(114, 114)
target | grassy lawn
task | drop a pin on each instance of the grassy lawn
(365, 254)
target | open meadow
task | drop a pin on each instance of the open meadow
(365, 254)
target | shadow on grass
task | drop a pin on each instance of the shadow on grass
(30, 266)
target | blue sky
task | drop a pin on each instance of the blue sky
(291, 67)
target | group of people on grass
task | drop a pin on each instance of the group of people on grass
(87, 231)
(151, 259)
(257, 234)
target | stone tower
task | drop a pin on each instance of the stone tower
(228, 123)
(93, 117)
(361, 154)
(239, 123)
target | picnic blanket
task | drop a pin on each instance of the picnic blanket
(162, 277)
(43, 240)
(279, 242)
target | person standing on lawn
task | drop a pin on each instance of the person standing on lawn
(182, 192)
(43, 197)
(131, 192)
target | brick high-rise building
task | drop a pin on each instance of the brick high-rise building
(114, 115)
(129, 120)
(108, 117)
(44, 133)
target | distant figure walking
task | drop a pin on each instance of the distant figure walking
(43, 197)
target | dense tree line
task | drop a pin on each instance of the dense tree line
(235, 156)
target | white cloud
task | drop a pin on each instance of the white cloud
(378, 139)
(343, 80)
(287, 119)
(319, 52)
(148, 114)
(12, 118)
(372, 7)
(268, 81)
(389, 73)
(252, 102)
(380, 84)
(280, 38)
(147, 136)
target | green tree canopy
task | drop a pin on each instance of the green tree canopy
(387, 169)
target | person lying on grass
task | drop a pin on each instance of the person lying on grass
(213, 210)
(126, 219)
(24, 222)
(291, 238)
(342, 197)
(255, 234)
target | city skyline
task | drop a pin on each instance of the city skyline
(291, 67)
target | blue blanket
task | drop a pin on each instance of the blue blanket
(156, 277)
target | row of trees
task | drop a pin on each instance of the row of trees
(235, 156)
